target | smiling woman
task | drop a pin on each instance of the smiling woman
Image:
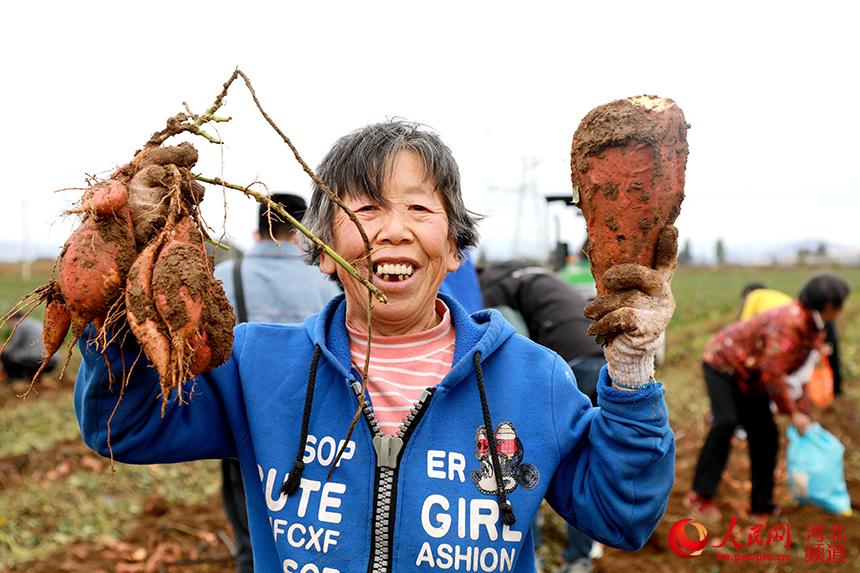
(507, 412)
(404, 186)
(412, 250)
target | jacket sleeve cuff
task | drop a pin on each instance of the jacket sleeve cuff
(645, 404)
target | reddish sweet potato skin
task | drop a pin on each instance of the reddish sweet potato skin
(180, 279)
(190, 302)
(143, 319)
(56, 326)
(628, 165)
(94, 263)
(106, 199)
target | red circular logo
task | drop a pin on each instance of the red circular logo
(682, 544)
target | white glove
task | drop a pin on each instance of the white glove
(634, 311)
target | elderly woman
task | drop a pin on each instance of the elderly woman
(468, 426)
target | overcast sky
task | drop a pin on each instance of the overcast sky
(769, 88)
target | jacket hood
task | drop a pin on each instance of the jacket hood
(483, 331)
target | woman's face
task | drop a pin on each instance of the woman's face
(830, 312)
(411, 250)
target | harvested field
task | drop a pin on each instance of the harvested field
(61, 508)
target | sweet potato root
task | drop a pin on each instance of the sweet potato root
(215, 341)
(94, 263)
(182, 155)
(153, 174)
(180, 279)
(183, 286)
(56, 326)
(179, 284)
(628, 162)
(143, 318)
(137, 264)
(106, 198)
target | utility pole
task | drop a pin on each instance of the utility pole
(521, 191)
(527, 187)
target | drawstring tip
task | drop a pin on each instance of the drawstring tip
(508, 517)
(291, 484)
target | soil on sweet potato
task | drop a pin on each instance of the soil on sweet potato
(182, 281)
(218, 320)
(181, 273)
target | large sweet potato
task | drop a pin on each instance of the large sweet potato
(628, 162)
(191, 304)
(94, 263)
(143, 318)
(180, 279)
(151, 175)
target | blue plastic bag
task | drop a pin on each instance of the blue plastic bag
(815, 471)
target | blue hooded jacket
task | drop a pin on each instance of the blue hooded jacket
(426, 502)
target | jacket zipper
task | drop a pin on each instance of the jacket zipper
(388, 449)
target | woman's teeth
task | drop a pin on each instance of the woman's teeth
(394, 271)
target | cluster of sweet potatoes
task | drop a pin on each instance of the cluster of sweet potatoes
(138, 263)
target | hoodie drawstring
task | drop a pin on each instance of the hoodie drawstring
(291, 484)
(508, 516)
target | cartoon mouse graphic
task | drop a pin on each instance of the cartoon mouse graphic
(511, 451)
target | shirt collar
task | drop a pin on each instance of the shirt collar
(819, 322)
(272, 250)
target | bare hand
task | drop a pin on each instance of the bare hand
(800, 421)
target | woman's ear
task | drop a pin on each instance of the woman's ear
(327, 264)
(453, 262)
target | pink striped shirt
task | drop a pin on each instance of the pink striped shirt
(401, 367)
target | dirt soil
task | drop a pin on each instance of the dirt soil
(164, 538)
(841, 419)
(196, 538)
(733, 499)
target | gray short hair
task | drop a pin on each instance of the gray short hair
(358, 164)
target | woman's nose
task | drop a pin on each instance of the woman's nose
(395, 226)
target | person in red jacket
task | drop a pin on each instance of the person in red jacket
(745, 367)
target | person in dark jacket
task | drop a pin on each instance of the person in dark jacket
(552, 310)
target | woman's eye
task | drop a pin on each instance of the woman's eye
(420, 208)
(366, 209)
